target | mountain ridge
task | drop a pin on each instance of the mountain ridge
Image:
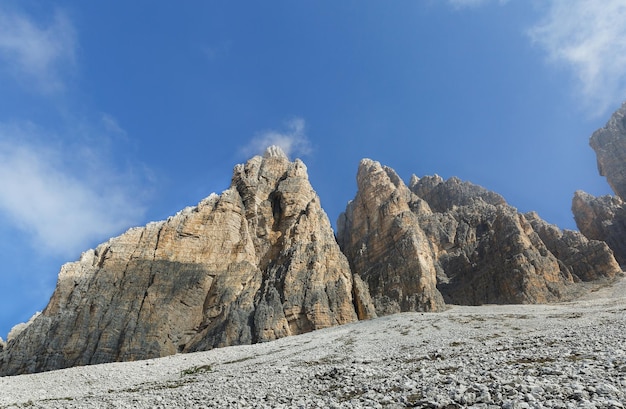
(261, 261)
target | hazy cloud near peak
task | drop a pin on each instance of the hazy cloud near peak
(37, 53)
(589, 37)
(292, 140)
(62, 210)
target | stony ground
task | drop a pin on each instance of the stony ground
(570, 355)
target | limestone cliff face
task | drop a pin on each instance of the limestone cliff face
(387, 249)
(478, 248)
(256, 263)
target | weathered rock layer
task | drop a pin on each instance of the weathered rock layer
(256, 263)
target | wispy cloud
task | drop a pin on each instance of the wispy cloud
(61, 209)
(37, 53)
(459, 4)
(292, 140)
(111, 125)
(216, 51)
(589, 38)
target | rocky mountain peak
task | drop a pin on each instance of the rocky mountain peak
(444, 195)
(256, 263)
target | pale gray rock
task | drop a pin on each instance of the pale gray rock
(441, 195)
(491, 255)
(488, 252)
(19, 328)
(497, 356)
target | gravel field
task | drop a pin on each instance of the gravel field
(569, 355)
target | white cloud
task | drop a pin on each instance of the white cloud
(589, 37)
(63, 197)
(293, 141)
(37, 53)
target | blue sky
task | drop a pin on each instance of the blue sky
(116, 113)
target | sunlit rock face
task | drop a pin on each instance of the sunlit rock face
(584, 259)
(256, 263)
(458, 241)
